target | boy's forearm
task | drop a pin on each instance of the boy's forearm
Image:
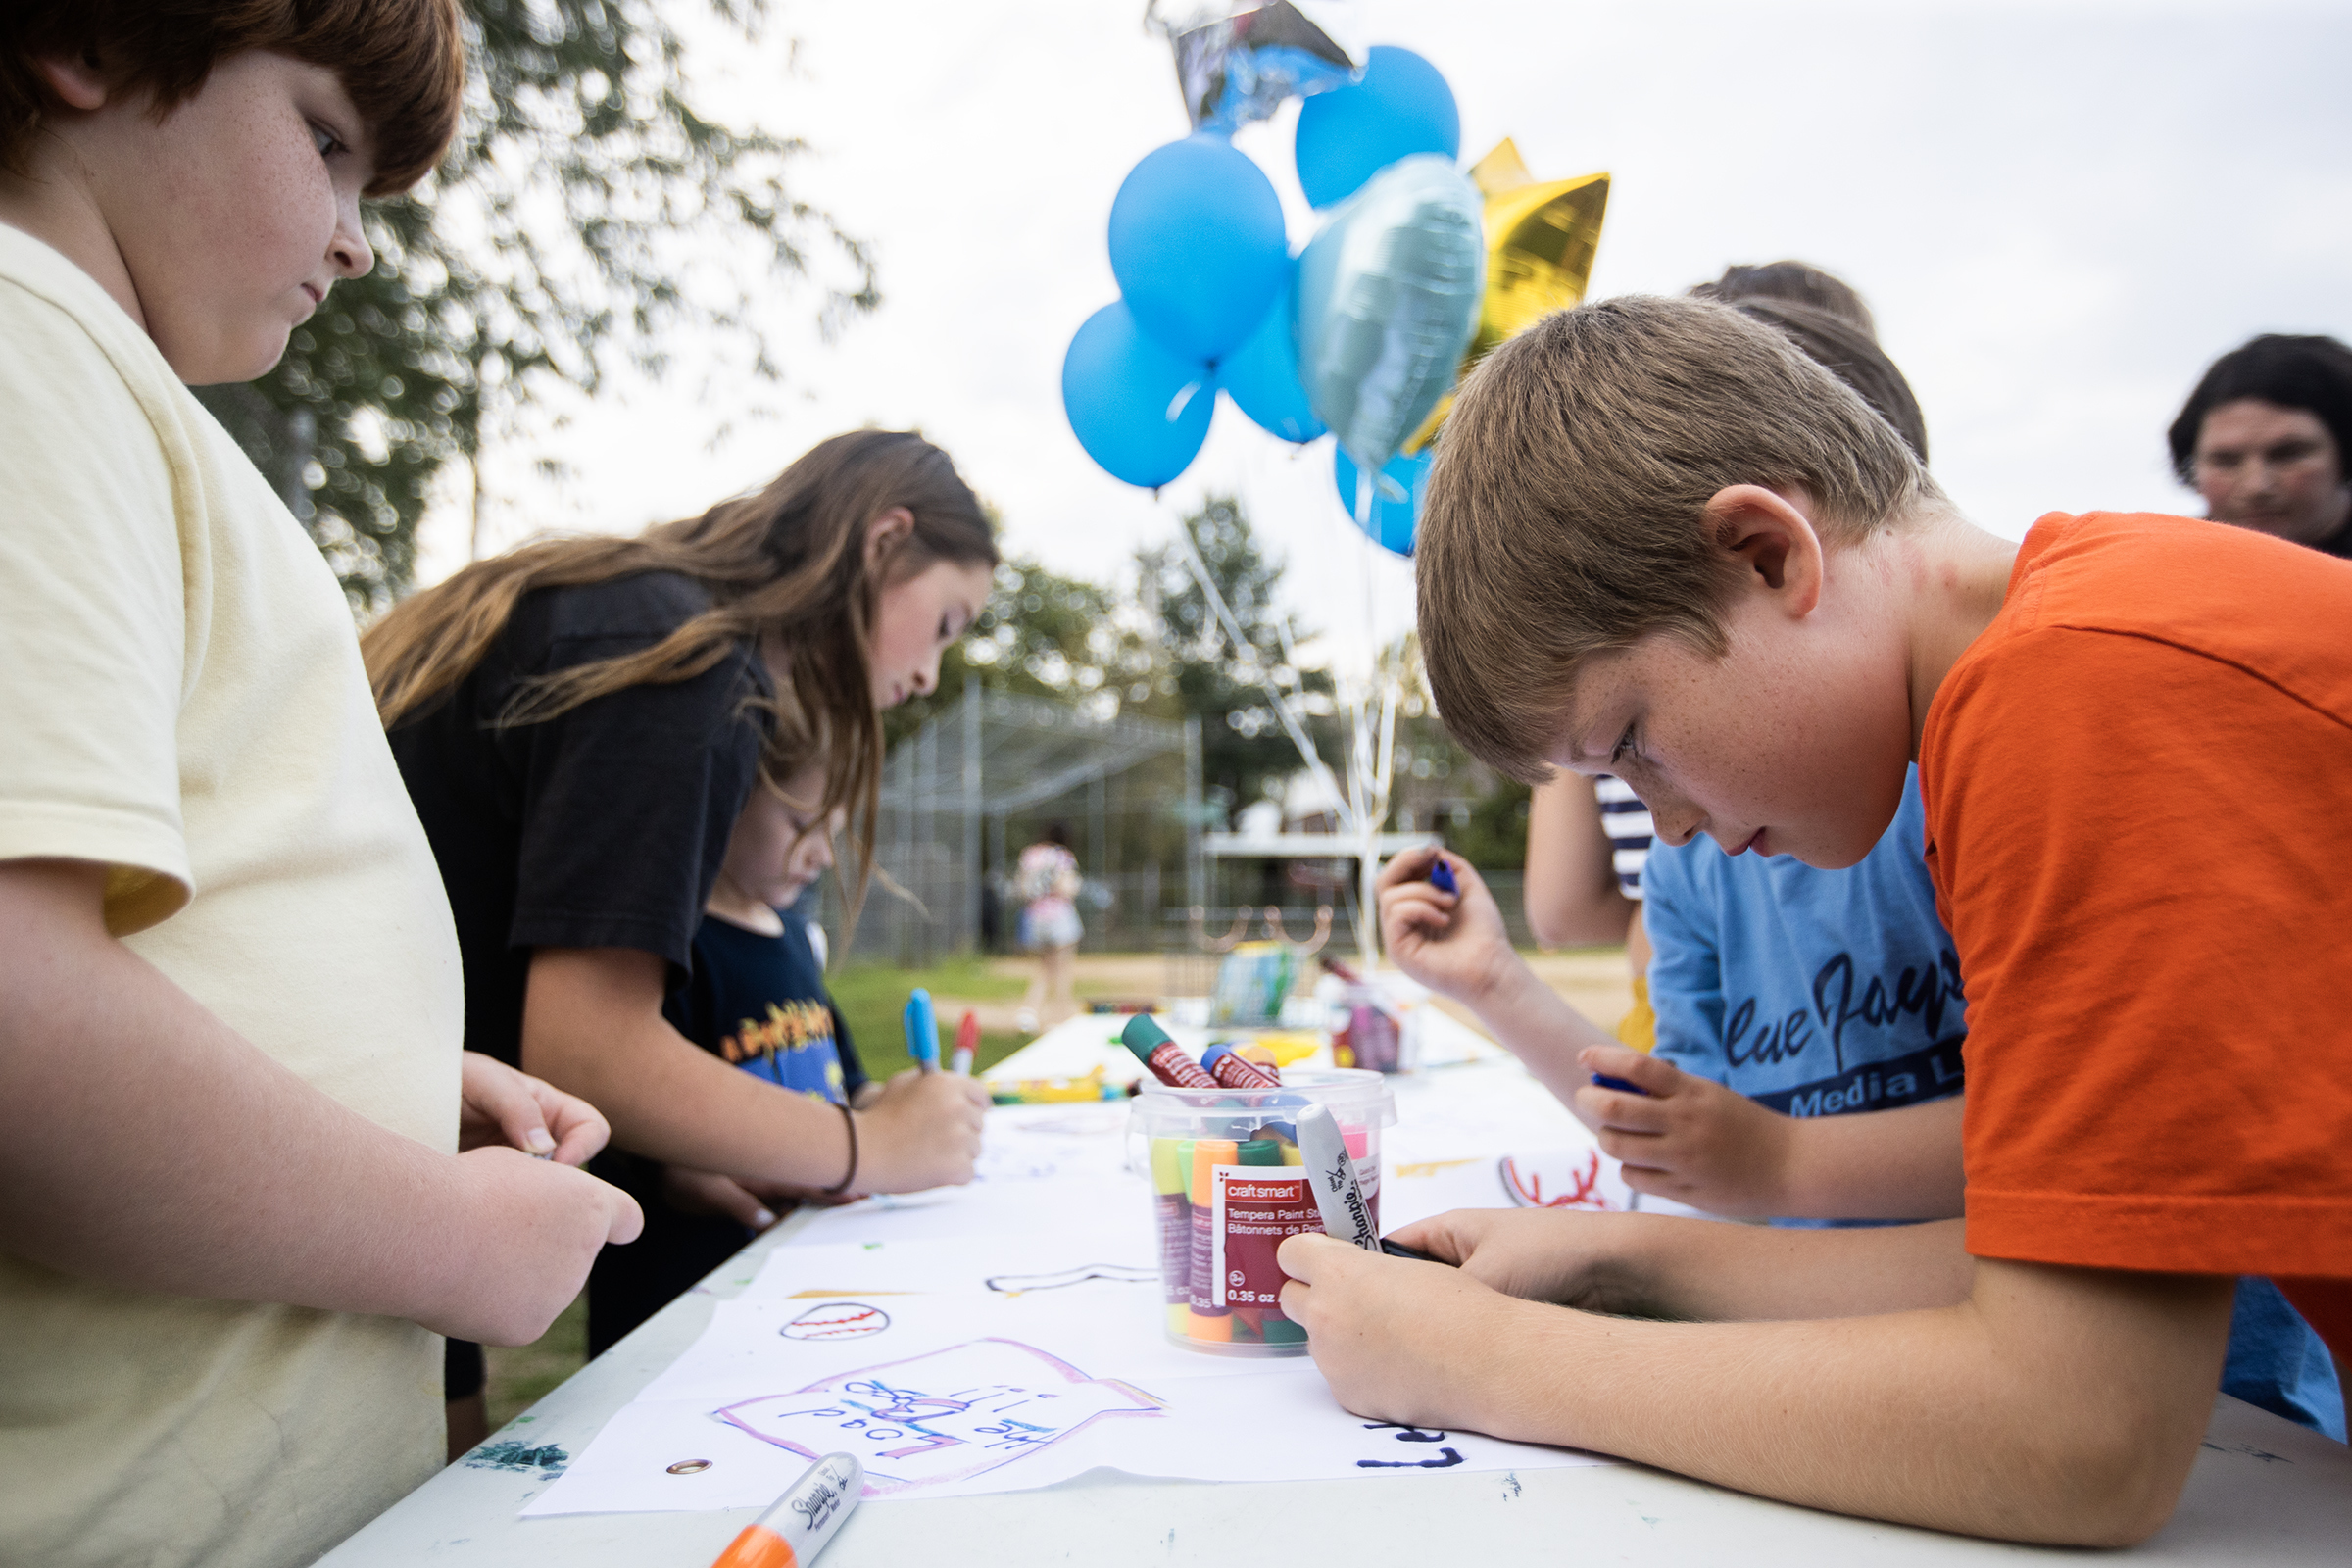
(1539, 1027)
(1884, 1164)
(1709, 1271)
(2054, 1405)
(146, 1144)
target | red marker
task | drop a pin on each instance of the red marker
(1162, 1056)
(1231, 1068)
(967, 1041)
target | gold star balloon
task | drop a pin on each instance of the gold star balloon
(1540, 236)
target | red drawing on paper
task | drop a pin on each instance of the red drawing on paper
(1525, 1188)
(837, 1320)
(945, 1417)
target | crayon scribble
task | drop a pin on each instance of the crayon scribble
(837, 1320)
(548, 1458)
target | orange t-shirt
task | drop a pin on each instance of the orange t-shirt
(2138, 789)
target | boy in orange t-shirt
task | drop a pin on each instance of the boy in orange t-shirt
(1660, 543)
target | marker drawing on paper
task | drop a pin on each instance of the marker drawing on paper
(946, 1416)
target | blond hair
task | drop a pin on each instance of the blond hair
(1565, 511)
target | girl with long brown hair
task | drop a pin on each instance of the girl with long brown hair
(580, 723)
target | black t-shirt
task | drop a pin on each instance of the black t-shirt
(759, 1002)
(602, 827)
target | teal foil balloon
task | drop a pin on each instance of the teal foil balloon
(1389, 294)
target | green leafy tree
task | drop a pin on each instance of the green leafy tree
(589, 214)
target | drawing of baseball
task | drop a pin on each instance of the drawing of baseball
(837, 1320)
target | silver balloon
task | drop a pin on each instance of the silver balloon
(1389, 294)
(1238, 59)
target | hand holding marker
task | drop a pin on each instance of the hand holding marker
(1440, 877)
(922, 1030)
(1330, 1177)
(791, 1532)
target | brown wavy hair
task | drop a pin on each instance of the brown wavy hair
(787, 572)
(403, 62)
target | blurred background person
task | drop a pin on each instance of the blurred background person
(1046, 880)
(2263, 440)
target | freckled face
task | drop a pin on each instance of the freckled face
(1794, 743)
(237, 213)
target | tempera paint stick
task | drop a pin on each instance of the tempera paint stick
(1440, 877)
(1163, 1057)
(922, 1030)
(1232, 1069)
(1330, 1173)
(791, 1532)
(967, 1043)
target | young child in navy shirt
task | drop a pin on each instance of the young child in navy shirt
(755, 995)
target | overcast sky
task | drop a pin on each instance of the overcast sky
(2059, 214)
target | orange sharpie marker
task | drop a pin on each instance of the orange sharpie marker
(791, 1534)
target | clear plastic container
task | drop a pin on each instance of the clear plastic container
(1228, 1187)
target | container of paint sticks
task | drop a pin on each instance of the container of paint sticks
(1228, 1187)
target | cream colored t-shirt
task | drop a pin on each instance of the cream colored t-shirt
(181, 699)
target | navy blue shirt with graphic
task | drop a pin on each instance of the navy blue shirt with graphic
(1827, 993)
(759, 1002)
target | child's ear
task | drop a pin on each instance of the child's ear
(77, 83)
(1769, 537)
(885, 535)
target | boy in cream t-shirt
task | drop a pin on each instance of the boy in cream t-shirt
(231, 1090)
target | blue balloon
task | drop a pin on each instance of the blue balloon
(1261, 376)
(1389, 294)
(1392, 518)
(1400, 108)
(1198, 246)
(1140, 412)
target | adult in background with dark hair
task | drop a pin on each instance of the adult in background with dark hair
(2264, 439)
(1585, 843)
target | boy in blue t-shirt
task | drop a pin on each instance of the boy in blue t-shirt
(755, 995)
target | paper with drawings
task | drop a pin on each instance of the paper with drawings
(1008, 1335)
(954, 1394)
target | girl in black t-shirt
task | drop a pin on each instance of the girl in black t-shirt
(580, 721)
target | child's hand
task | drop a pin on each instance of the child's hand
(923, 1130)
(1403, 1340)
(532, 1228)
(1539, 1255)
(499, 1106)
(1454, 943)
(1687, 1138)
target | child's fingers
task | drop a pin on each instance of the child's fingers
(1645, 1072)
(580, 1129)
(506, 1098)
(1303, 1255)
(1410, 866)
(1613, 1109)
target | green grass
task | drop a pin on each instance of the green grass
(872, 996)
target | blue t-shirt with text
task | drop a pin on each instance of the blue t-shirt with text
(1815, 993)
(1824, 993)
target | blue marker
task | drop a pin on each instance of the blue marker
(1440, 877)
(922, 1030)
(1623, 1086)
